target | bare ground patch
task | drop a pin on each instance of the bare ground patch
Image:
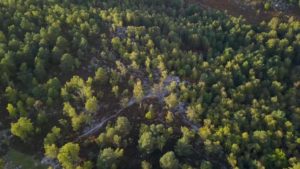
(253, 13)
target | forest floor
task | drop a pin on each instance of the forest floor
(253, 13)
(19, 160)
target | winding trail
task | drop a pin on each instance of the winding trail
(158, 93)
(104, 120)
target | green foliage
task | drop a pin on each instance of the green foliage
(267, 6)
(11, 94)
(153, 137)
(276, 160)
(146, 165)
(205, 165)
(260, 136)
(169, 161)
(114, 134)
(171, 100)
(194, 112)
(108, 158)
(79, 91)
(123, 125)
(184, 145)
(68, 155)
(23, 128)
(69, 109)
(138, 90)
(147, 142)
(2, 164)
(11, 110)
(67, 63)
(2, 37)
(91, 105)
(101, 76)
(53, 136)
(51, 150)
(150, 115)
(76, 90)
(169, 117)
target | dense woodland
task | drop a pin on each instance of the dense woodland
(177, 86)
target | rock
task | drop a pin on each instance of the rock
(51, 162)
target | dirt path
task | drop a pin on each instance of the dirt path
(250, 13)
(158, 94)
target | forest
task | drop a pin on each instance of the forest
(146, 84)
